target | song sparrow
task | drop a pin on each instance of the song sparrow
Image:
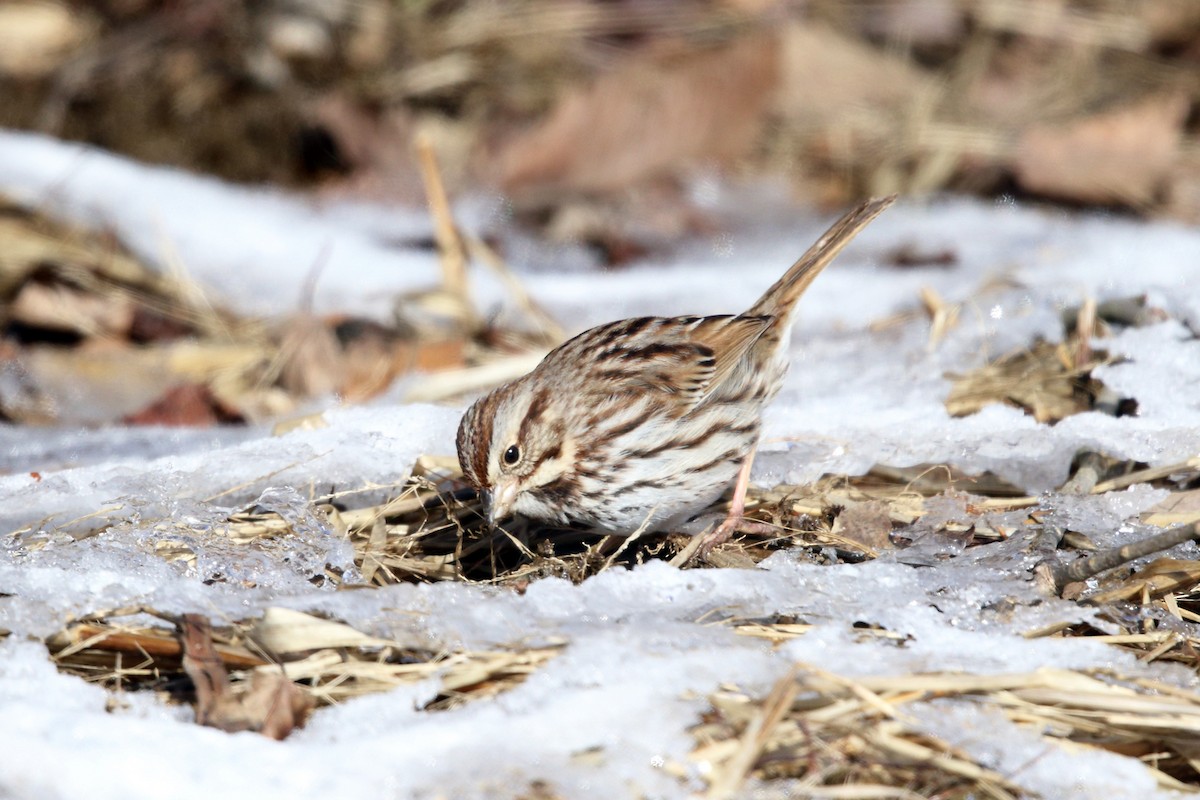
(641, 424)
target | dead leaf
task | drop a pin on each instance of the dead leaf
(1124, 155)
(822, 70)
(373, 356)
(311, 358)
(271, 705)
(285, 632)
(191, 404)
(1183, 197)
(868, 524)
(656, 113)
(371, 151)
(370, 367)
(843, 107)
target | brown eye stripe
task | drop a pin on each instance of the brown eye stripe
(537, 407)
(553, 452)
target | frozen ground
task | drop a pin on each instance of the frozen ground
(638, 663)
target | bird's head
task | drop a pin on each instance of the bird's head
(514, 447)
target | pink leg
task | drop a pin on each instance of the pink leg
(733, 522)
(737, 507)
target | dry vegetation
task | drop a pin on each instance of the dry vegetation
(92, 335)
(815, 729)
(72, 295)
(1085, 102)
(1091, 102)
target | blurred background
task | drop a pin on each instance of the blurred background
(600, 124)
(551, 101)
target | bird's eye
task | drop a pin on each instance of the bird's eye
(512, 455)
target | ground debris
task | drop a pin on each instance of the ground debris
(1042, 381)
(269, 704)
(856, 736)
(267, 674)
(93, 335)
(818, 728)
(1082, 101)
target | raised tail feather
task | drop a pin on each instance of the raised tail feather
(783, 294)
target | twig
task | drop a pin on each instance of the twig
(1081, 483)
(451, 383)
(1084, 481)
(453, 256)
(1145, 475)
(755, 737)
(629, 540)
(482, 251)
(1060, 574)
(1085, 329)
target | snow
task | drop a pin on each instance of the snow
(644, 647)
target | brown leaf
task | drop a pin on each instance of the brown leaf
(1183, 198)
(203, 666)
(658, 112)
(271, 705)
(822, 71)
(187, 405)
(868, 524)
(372, 362)
(312, 359)
(371, 150)
(1123, 155)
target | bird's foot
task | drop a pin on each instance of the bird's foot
(703, 544)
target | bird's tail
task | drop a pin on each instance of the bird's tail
(782, 296)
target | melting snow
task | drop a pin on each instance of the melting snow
(639, 661)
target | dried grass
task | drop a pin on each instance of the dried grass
(1087, 101)
(99, 337)
(329, 660)
(1045, 381)
(818, 734)
(833, 736)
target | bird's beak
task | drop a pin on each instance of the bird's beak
(501, 500)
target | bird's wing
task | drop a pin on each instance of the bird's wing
(683, 357)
